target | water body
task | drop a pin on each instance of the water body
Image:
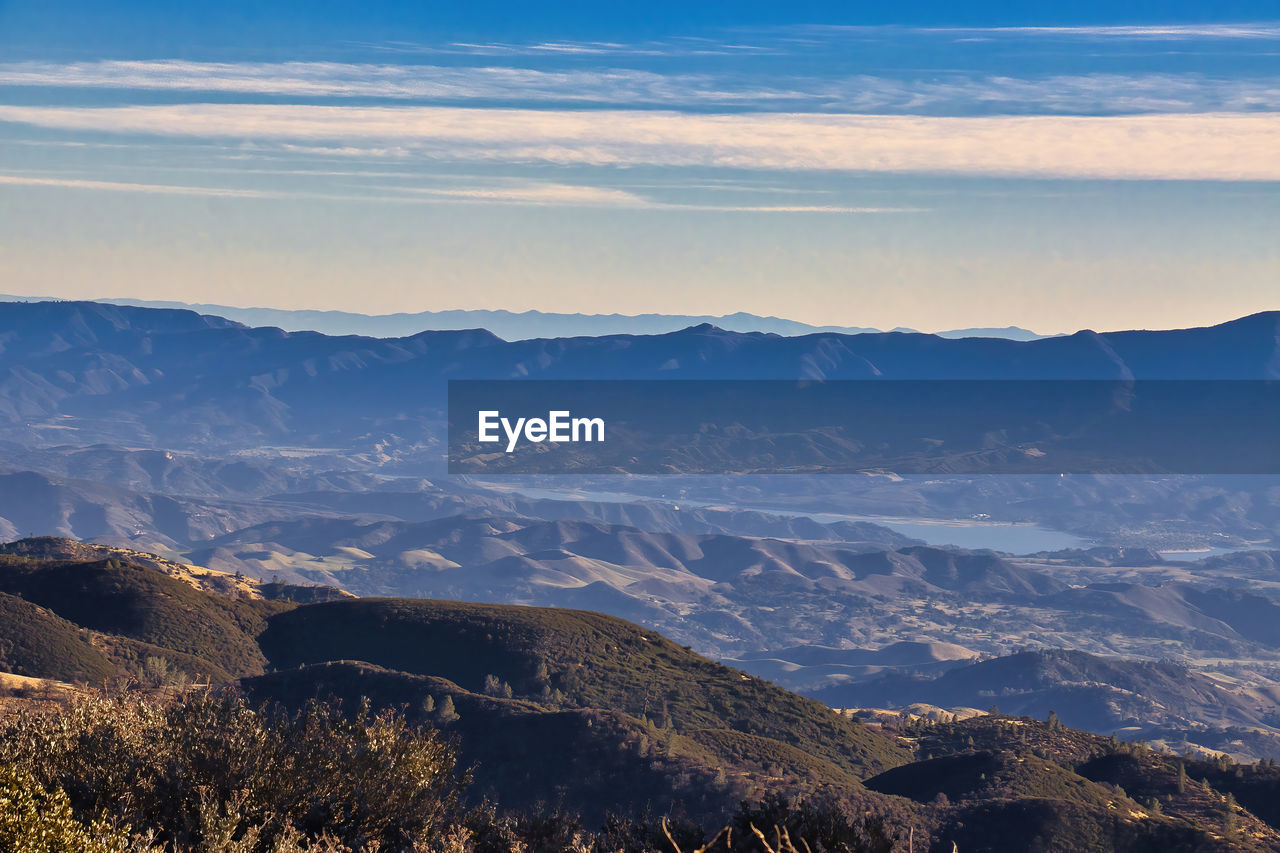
(1010, 537)
(975, 534)
(1192, 556)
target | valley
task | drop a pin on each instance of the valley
(296, 459)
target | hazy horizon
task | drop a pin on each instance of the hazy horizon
(1052, 169)
(128, 300)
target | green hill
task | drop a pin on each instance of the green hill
(575, 659)
(521, 754)
(35, 642)
(131, 604)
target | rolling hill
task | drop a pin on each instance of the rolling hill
(1153, 700)
(605, 717)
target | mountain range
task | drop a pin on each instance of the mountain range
(176, 379)
(513, 326)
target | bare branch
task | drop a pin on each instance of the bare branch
(667, 833)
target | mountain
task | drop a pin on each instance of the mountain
(508, 325)
(178, 380)
(713, 590)
(524, 325)
(809, 668)
(1153, 700)
(606, 719)
(606, 692)
(1020, 784)
(1013, 333)
(591, 660)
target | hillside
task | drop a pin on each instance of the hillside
(137, 611)
(714, 591)
(598, 760)
(603, 717)
(584, 686)
(577, 659)
(1147, 699)
(36, 643)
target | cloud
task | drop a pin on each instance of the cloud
(1069, 94)
(939, 94)
(118, 186)
(569, 195)
(1252, 31)
(531, 194)
(1165, 32)
(777, 40)
(417, 82)
(1192, 147)
(679, 46)
(540, 194)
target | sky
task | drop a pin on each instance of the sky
(933, 166)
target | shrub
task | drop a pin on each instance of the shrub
(33, 820)
(175, 765)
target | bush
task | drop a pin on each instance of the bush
(33, 820)
(207, 772)
(181, 766)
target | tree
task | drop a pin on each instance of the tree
(446, 712)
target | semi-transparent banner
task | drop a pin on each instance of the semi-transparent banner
(907, 427)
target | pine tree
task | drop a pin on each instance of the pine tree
(447, 713)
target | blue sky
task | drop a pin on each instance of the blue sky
(932, 165)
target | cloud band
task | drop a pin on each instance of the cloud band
(1195, 147)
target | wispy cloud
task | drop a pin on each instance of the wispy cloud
(1198, 147)
(1265, 30)
(543, 194)
(418, 82)
(1252, 31)
(770, 41)
(523, 194)
(680, 46)
(953, 93)
(120, 186)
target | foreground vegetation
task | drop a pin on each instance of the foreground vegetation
(208, 772)
(204, 771)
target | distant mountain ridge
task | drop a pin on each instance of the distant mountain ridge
(175, 379)
(521, 325)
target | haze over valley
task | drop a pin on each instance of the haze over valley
(223, 446)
